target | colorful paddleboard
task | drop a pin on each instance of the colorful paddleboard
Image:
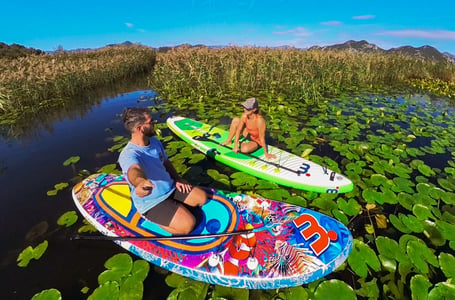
(239, 241)
(287, 169)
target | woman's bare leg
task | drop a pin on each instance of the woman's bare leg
(234, 124)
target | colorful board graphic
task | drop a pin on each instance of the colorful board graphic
(284, 245)
(287, 169)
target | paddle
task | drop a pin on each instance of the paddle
(166, 238)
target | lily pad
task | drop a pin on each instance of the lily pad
(332, 289)
(30, 253)
(419, 287)
(71, 161)
(420, 255)
(107, 290)
(362, 257)
(67, 219)
(447, 263)
(50, 294)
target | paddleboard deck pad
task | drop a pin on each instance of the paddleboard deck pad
(286, 169)
(281, 245)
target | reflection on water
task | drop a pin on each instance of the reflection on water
(31, 163)
(40, 119)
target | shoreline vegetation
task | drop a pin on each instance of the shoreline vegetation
(38, 81)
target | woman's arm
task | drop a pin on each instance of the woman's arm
(237, 133)
(262, 128)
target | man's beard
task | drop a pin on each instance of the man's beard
(149, 132)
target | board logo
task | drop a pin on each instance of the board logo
(311, 228)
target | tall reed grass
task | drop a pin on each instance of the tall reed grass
(35, 80)
(299, 74)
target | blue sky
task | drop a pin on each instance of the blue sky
(47, 25)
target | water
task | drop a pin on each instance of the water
(30, 165)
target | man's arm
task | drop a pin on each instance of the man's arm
(138, 179)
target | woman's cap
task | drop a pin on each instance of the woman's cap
(250, 103)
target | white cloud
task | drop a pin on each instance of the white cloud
(129, 25)
(364, 17)
(425, 34)
(332, 23)
(299, 31)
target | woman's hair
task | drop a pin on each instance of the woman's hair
(134, 116)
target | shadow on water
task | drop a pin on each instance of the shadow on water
(32, 152)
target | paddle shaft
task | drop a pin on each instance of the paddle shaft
(160, 238)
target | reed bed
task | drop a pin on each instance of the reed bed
(39, 80)
(297, 74)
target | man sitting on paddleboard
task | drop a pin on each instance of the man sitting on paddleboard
(157, 191)
(253, 126)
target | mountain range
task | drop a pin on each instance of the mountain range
(424, 52)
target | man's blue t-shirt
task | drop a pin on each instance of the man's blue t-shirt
(151, 159)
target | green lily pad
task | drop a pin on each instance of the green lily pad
(412, 223)
(422, 212)
(447, 263)
(30, 253)
(398, 224)
(107, 290)
(433, 233)
(140, 269)
(71, 161)
(446, 184)
(67, 219)
(378, 179)
(419, 287)
(117, 267)
(217, 176)
(332, 289)
(368, 290)
(420, 255)
(224, 292)
(57, 187)
(389, 248)
(108, 169)
(362, 257)
(87, 227)
(50, 294)
(403, 185)
(240, 179)
(442, 290)
(131, 288)
(350, 207)
(371, 196)
(425, 170)
(277, 194)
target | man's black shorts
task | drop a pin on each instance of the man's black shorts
(164, 211)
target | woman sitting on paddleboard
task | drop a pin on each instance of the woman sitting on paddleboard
(252, 126)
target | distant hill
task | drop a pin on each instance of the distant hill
(356, 46)
(424, 52)
(15, 50)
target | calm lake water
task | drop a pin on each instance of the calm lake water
(30, 166)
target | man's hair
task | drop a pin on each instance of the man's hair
(134, 116)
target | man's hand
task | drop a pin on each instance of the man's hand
(144, 188)
(183, 186)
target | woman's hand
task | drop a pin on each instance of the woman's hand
(270, 156)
